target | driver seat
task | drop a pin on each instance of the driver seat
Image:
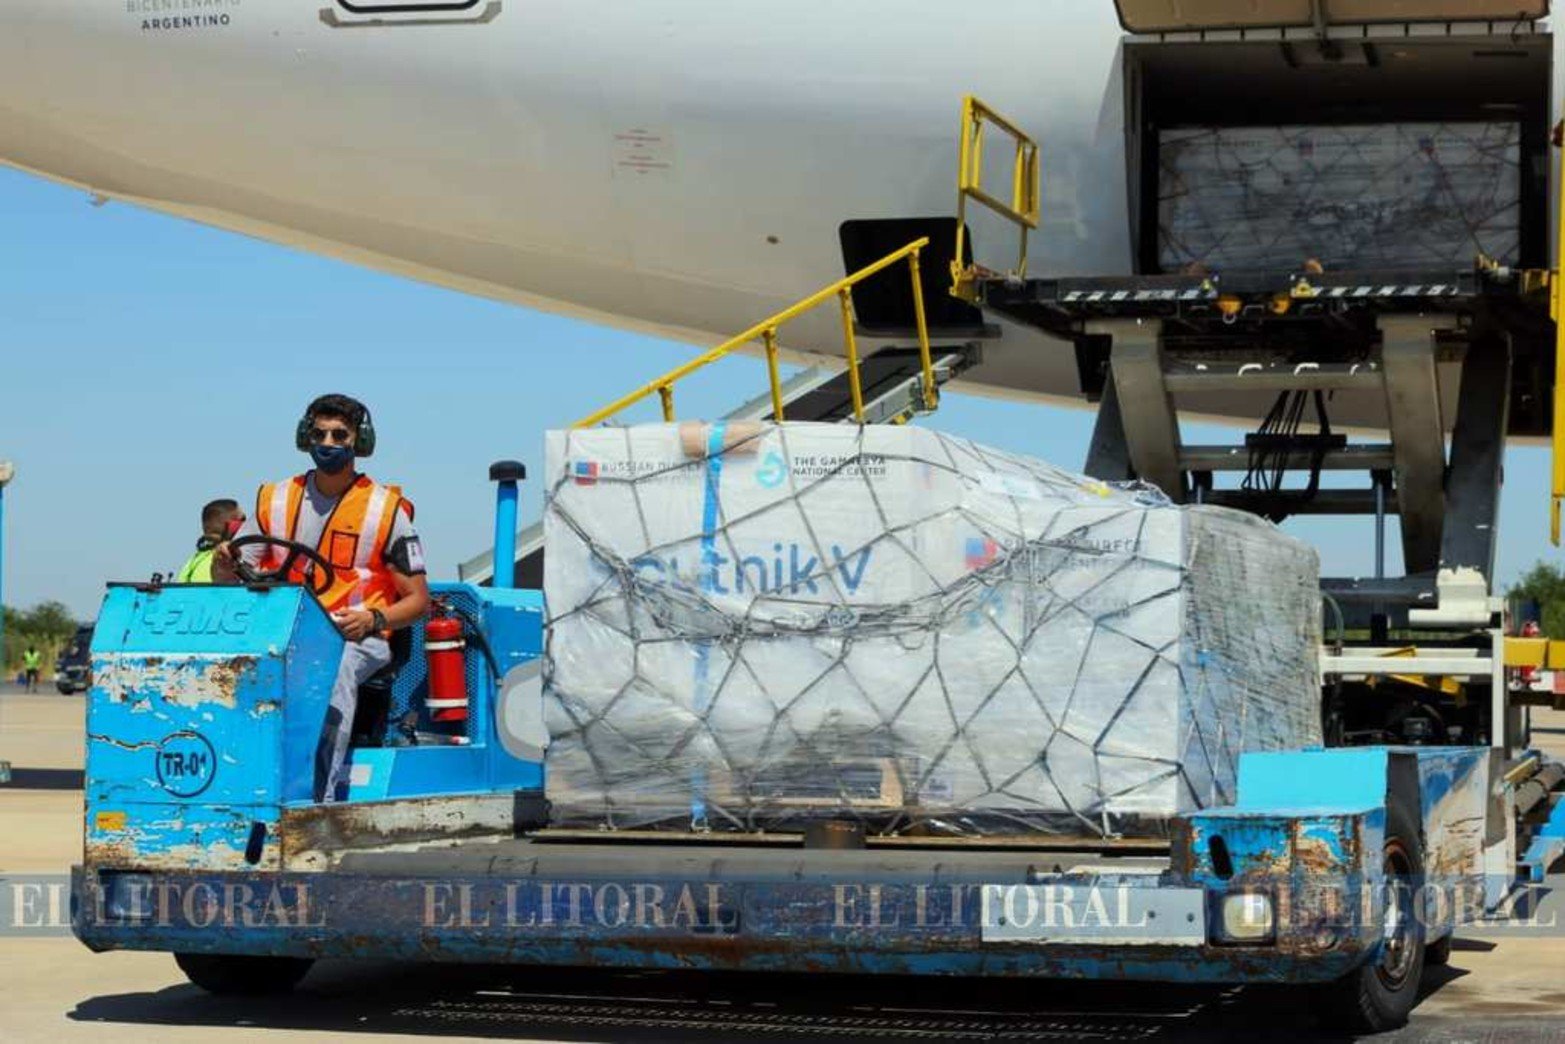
(374, 707)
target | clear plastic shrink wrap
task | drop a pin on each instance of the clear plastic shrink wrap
(1380, 195)
(755, 625)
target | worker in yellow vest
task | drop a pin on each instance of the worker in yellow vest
(364, 530)
(32, 661)
(220, 520)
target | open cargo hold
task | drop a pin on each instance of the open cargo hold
(1364, 150)
(1166, 16)
(756, 625)
(1371, 196)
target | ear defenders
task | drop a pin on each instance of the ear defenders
(363, 438)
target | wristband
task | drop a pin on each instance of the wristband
(379, 619)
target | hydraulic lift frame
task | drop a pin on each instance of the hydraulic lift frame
(1144, 342)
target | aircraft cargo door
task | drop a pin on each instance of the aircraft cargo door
(1173, 16)
(1364, 147)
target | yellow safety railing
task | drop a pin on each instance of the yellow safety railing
(1557, 312)
(766, 330)
(1023, 210)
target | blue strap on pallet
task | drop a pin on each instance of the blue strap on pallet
(703, 688)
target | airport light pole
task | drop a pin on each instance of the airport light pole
(7, 473)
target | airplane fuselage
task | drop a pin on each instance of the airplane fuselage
(676, 167)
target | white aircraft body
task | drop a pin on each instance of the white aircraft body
(677, 167)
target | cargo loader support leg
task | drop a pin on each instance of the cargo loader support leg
(1417, 432)
(1472, 489)
(1146, 411)
(1108, 458)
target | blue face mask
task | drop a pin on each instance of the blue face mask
(331, 459)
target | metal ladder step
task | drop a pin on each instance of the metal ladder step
(891, 383)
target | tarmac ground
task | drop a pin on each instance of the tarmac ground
(1509, 988)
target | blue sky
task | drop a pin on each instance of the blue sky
(148, 364)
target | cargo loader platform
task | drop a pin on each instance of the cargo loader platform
(1469, 352)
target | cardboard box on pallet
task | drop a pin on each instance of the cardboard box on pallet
(755, 625)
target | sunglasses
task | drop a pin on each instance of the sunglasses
(337, 435)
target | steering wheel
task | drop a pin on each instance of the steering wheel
(318, 571)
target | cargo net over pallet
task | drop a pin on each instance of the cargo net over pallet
(1371, 196)
(756, 625)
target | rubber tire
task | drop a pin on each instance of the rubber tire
(1361, 1002)
(242, 975)
(1438, 952)
(64, 688)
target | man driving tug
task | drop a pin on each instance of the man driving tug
(351, 541)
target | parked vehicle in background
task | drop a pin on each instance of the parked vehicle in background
(73, 667)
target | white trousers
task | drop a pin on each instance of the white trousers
(360, 660)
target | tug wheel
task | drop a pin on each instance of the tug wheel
(1380, 994)
(240, 974)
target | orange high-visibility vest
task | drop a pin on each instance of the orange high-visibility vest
(352, 539)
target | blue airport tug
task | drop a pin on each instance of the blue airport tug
(1342, 868)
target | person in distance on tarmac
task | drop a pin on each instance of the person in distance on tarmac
(220, 520)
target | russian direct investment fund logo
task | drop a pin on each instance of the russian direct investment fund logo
(981, 551)
(584, 472)
(772, 472)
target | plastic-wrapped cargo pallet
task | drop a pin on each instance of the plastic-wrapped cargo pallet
(754, 625)
(1378, 195)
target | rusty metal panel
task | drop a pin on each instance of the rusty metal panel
(314, 836)
(1454, 784)
(1319, 871)
(169, 837)
(757, 923)
(181, 726)
(202, 721)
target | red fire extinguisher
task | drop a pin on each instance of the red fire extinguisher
(445, 647)
(1528, 676)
